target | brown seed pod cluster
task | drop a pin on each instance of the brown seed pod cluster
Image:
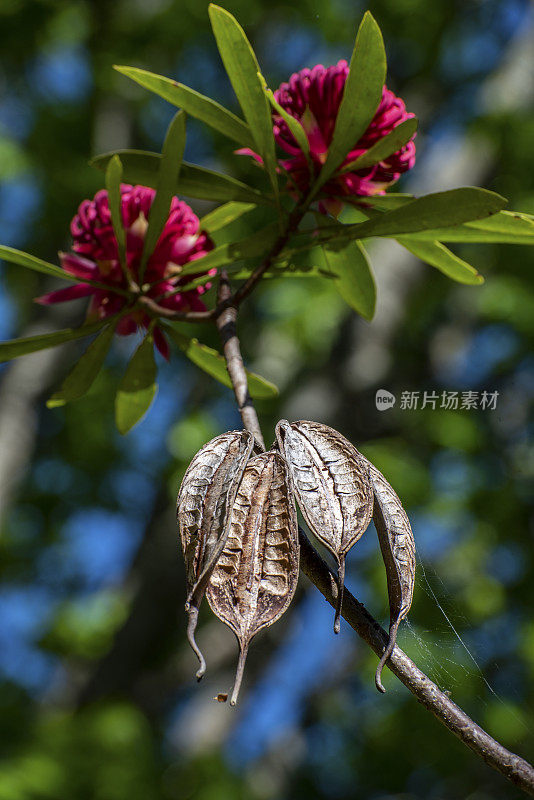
(239, 533)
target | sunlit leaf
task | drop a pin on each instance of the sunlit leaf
(439, 256)
(205, 184)
(387, 202)
(244, 225)
(385, 147)
(361, 96)
(137, 387)
(243, 70)
(195, 104)
(214, 364)
(31, 344)
(223, 215)
(354, 281)
(38, 265)
(506, 227)
(298, 132)
(84, 373)
(425, 213)
(317, 268)
(169, 168)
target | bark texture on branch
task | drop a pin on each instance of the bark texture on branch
(226, 324)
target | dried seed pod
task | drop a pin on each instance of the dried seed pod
(398, 551)
(256, 575)
(204, 505)
(331, 482)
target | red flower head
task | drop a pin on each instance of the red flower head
(96, 258)
(313, 96)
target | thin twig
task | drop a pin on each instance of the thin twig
(512, 766)
(226, 324)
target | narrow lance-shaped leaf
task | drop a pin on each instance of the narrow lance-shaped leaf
(442, 208)
(256, 575)
(314, 267)
(387, 202)
(361, 95)
(14, 256)
(385, 147)
(31, 344)
(243, 70)
(398, 551)
(223, 215)
(196, 105)
(331, 483)
(214, 364)
(292, 123)
(142, 167)
(84, 373)
(137, 387)
(506, 227)
(204, 506)
(354, 281)
(113, 186)
(169, 168)
(440, 257)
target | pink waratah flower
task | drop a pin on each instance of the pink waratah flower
(96, 258)
(313, 97)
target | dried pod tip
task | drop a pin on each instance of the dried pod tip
(340, 588)
(191, 627)
(393, 630)
(239, 675)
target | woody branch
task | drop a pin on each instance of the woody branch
(513, 767)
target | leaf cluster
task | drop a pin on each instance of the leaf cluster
(251, 220)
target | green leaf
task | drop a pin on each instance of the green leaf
(386, 202)
(169, 168)
(506, 227)
(31, 344)
(244, 225)
(316, 268)
(137, 387)
(38, 265)
(443, 208)
(299, 134)
(193, 103)
(214, 364)
(224, 215)
(355, 282)
(361, 96)
(308, 263)
(439, 256)
(385, 147)
(255, 245)
(243, 70)
(113, 186)
(82, 376)
(205, 184)
(32, 262)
